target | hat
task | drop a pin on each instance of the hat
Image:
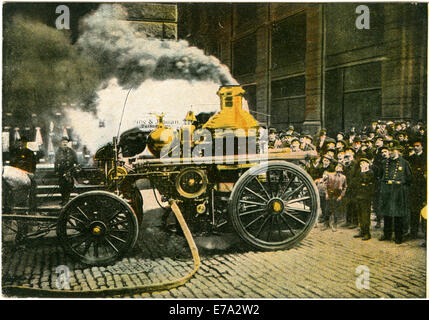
(329, 141)
(65, 138)
(291, 128)
(309, 136)
(327, 156)
(339, 164)
(272, 130)
(23, 139)
(342, 142)
(418, 141)
(395, 145)
(295, 139)
(364, 160)
(342, 133)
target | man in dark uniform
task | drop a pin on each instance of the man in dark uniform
(65, 161)
(394, 194)
(417, 160)
(364, 191)
(25, 159)
(350, 167)
(379, 156)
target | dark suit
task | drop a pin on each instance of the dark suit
(65, 161)
(418, 189)
(394, 195)
(364, 191)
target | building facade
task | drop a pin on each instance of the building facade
(318, 65)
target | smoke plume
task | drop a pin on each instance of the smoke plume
(165, 76)
(129, 56)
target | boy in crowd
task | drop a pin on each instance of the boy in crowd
(364, 191)
(336, 186)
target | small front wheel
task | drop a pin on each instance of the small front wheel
(97, 227)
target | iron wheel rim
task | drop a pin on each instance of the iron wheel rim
(274, 205)
(97, 228)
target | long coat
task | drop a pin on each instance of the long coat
(395, 182)
(418, 187)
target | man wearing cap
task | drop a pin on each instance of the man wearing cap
(324, 166)
(295, 145)
(290, 130)
(364, 191)
(357, 148)
(272, 137)
(340, 136)
(417, 160)
(395, 182)
(352, 136)
(307, 142)
(350, 168)
(381, 153)
(65, 161)
(340, 146)
(320, 140)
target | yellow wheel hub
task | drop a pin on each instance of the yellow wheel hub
(277, 206)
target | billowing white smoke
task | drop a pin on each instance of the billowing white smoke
(174, 98)
(129, 56)
(166, 76)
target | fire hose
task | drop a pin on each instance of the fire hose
(16, 290)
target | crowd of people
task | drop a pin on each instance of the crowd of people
(380, 168)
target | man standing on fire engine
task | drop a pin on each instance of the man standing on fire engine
(65, 161)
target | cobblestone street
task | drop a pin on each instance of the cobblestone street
(323, 265)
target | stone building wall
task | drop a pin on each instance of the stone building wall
(310, 66)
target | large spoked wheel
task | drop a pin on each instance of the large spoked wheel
(274, 205)
(97, 228)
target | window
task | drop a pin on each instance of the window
(289, 41)
(353, 96)
(288, 102)
(244, 55)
